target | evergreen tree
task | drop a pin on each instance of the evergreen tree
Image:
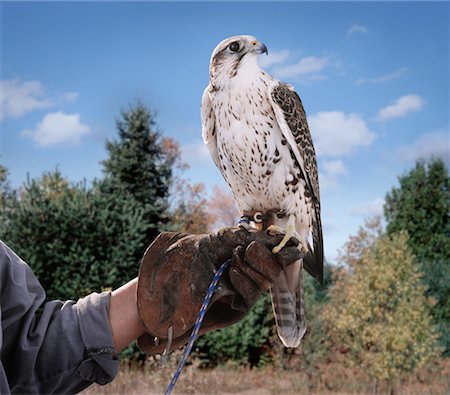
(138, 168)
(3, 181)
(378, 309)
(6, 194)
(421, 206)
(79, 239)
(72, 240)
(241, 342)
(48, 227)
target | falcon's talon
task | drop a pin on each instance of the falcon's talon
(283, 242)
(288, 233)
(274, 230)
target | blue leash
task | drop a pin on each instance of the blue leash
(197, 325)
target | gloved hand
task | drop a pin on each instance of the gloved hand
(176, 271)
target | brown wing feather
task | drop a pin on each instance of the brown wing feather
(295, 117)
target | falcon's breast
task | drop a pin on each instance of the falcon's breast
(253, 155)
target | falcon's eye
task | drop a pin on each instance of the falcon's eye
(234, 46)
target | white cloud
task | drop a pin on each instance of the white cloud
(196, 153)
(336, 133)
(274, 57)
(355, 28)
(330, 173)
(19, 97)
(334, 167)
(70, 96)
(434, 144)
(382, 78)
(58, 128)
(368, 209)
(401, 107)
(308, 66)
(285, 64)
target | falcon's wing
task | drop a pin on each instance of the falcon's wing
(209, 126)
(291, 118)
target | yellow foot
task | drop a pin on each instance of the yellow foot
(283, 242)
(288, 233)
(274, 230)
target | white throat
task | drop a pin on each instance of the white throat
(247, 70)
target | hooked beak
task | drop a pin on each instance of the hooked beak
(261, 48)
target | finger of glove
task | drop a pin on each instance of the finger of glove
(262, 261)
(234, 236)
(238, 254)
(289, 255)
(247, 283)
(248, 292)
(253, 272)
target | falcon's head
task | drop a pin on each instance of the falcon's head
(232, 54)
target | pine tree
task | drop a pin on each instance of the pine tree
(68, 237)
(378, 309)
(79, 239)
(138, 168)
(5, 193)
(421, 206)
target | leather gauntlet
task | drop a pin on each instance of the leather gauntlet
(177, 269)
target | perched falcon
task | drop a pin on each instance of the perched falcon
(256, 131)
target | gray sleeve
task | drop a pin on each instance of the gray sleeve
(53, 347)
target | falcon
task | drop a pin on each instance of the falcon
(256, 131)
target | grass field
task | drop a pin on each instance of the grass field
(333, 379)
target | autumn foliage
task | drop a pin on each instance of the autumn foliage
(378, 313)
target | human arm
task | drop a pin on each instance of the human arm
(54, 346)
(123, 315)
(62, 347)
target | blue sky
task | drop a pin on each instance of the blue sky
(373, 77)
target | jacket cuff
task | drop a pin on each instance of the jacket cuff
(101, 364)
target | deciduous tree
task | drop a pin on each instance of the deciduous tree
(420, 205)
(378, 310)
(222, 208)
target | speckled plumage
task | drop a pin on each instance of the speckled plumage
(256, 130)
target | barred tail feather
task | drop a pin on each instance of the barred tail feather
(289, 311)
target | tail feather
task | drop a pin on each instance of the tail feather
(289, 310)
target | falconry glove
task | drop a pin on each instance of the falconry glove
(177, 269)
